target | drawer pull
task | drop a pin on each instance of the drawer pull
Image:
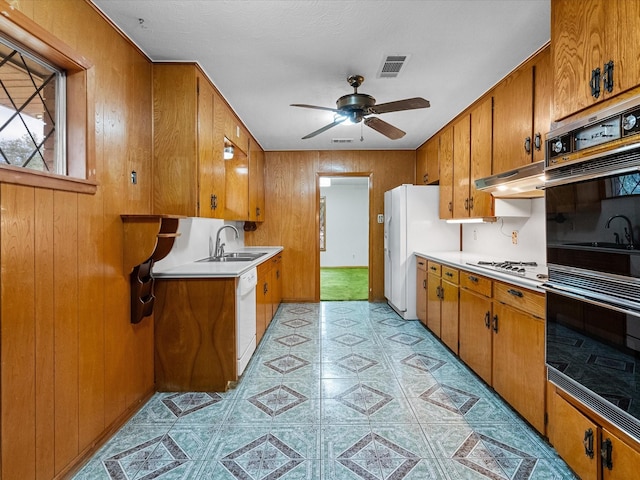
(605, 453)
(420, 263)
(487, 319)
(495, 323)
(473, 279)
(449, 274)
(433, 269)
(515, 293)
(588, 443)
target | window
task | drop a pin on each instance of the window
(32, 111)
(46, 109)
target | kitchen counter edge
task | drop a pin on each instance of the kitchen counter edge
(464, 261)
(197, 269)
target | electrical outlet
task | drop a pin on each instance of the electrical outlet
(514, 237)
(380, 218)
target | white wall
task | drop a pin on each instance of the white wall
(347, 227)
(494, 239)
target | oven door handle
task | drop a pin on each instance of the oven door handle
(593, 301)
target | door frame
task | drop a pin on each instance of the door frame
(369, 176)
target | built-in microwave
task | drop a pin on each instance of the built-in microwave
(592, 196)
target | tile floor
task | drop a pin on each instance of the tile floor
(336, 390)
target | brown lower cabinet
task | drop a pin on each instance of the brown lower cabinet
(442, 303)
(421, 289)
(500, 330)
(588, 445)
(268, 293)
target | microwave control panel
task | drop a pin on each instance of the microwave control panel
(605, 130)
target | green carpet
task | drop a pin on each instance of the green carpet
(344, 283)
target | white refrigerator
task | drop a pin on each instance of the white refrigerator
(411, 224)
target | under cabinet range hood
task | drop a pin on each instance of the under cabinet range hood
(521, 182)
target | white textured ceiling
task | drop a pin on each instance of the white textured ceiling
(266, 54)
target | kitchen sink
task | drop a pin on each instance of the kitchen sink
(235, 257)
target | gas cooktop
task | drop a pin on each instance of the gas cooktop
(521, 269)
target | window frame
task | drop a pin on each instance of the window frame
(80, 136)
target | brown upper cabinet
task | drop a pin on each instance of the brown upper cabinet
(188, 167)
(245, 185)
(427, 164)
(521, 114)
(595, 51)
(445, 157)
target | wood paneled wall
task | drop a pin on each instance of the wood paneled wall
(291, 207)
(72, 365)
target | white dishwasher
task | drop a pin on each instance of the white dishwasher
(246, 318)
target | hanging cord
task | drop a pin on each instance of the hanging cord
(501, 226)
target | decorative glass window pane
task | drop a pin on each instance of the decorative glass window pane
(31, 111)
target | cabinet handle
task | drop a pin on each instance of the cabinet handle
(265, 288)
(441, 293)
(588, 443)
(487, 319)
(605, 453)
(495, 323)
(537, 141)
(433, 269)
(420, 263)
(473, 279)
(277, 274)
(527, 144)
(438, 291)
(466, 203)
(214, 202)
(515, 293)
(607, 80)
(425, 178)
(450, 206)
(449, 274)
(424, 284)
(470, 203)
(257, 211)
(595, 83)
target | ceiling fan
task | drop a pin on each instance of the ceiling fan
(358, 107)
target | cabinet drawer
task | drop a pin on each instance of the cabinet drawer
(434, 268)
(475, 283)
(450, 274)
(521, 298)
(421, 263)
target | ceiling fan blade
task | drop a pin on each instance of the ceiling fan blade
(384, 128)
(304, 105)
(399, 105)
(324, 129)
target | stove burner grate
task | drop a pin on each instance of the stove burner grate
(509, 266)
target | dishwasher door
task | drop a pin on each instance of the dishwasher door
(246, 318)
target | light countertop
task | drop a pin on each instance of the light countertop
(466, 261)
(198, 269)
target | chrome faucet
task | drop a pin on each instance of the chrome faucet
(628, 230)
(220, 246)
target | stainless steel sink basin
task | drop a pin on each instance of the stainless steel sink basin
(235, 257)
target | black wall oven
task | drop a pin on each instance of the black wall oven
(592, 196)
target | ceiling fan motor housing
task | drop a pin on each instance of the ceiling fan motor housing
(356, 105)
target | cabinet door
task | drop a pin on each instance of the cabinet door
(433, 164)
(276, 280)
(481, 203)
(206, 154)
(433, 304)
(577, 36)
(422, 176)
(237, 187)
(263, 305)
(518, 361)
(567, 430)
(219, 169)
(256, 183)
(421, 290)
(623, 35)
(512, 120)
(475, 336)
(625, 461)
(542, 95)
(461, 166)
(445, 157)
(449, 315)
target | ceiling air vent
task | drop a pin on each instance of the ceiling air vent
(342, 140)
(392, 65)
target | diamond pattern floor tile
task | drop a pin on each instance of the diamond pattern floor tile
(335, 391)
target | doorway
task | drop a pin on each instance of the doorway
(344, 236)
